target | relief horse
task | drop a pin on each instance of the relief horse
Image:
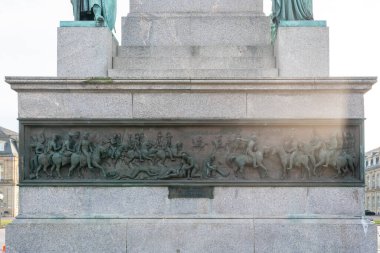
(240, 161)
(340, 161)
(58, 161)
(145, 153)
(43, 161)
(300, 161)
(80, 161)
(161, 155)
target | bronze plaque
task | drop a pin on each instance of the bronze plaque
(199, 152)
(194, 192)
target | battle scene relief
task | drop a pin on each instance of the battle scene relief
(208, 153)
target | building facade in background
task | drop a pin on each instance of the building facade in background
(8, 172)
(372, 180)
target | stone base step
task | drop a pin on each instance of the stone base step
(196, 51)
(153, 30)
(188, 6)
(157, 63)
(193, 73)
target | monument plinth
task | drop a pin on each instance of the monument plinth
(191, 142)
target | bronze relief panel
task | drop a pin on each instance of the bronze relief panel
(193, 152)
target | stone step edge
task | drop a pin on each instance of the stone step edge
(195, 51)
(256, 46)
(192, 57)
(195, 69)
(194, 73)
(182, 14)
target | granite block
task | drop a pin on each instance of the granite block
(237, 202)
(189, 105)
(196, 51)
(55, 236)
(301, 105)
(302, 51)
(193, 73)
(146, 30)
(315, 236)
(336, 201)
(84, 51)
(154, 6)
(259, 202)
(193, 63)
(190, 236)
(75, 105)
(189, 206)
(93, 201)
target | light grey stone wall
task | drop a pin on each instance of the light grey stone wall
(54, 236)
(302, 51)
(153, 202)
(186, 99)
(75, 105)
(189, 105)
(310, 235)
(167, 6)
(238, 219)
(195, 30)
(85, 51)
(312, 105)
(192, 235)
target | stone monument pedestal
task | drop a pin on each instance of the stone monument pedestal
(85, 51)
(196, 139)
(302, 49)
(316, 214)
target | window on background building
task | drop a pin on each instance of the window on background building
(373, 181)
(1, 171)
(2, 146)
(368, 202)
(373, 203)
(366, 163)
(377, 160)
(378, 203)
(371, 162)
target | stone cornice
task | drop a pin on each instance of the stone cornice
(330, 84)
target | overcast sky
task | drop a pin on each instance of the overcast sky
(28, 46)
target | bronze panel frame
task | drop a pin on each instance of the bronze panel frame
(26, 123)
